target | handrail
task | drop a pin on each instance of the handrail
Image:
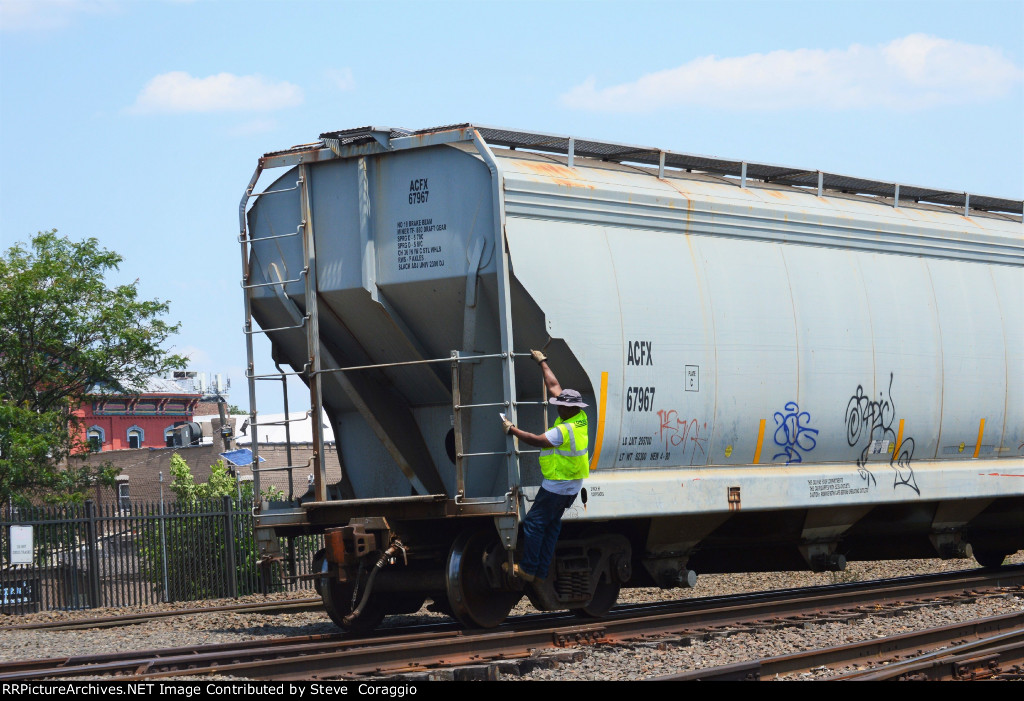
(459, 359)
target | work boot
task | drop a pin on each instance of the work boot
(517, 572)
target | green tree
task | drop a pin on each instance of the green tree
(195, 544)
(63, 333)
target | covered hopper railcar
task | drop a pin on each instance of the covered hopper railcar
(784, 368)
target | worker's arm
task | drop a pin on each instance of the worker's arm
(537, 441)
(533, 439)
(550, 381)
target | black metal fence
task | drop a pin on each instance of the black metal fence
(98, 556)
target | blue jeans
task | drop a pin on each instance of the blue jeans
(540, 531)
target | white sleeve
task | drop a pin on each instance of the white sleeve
(554, 437)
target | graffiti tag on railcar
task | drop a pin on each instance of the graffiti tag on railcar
(869, 421)
(685, 433)
(792, 433)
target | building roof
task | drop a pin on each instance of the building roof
(153, 385)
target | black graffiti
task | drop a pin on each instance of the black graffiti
(868, 421)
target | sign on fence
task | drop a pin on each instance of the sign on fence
(19, 596)
(21, 545)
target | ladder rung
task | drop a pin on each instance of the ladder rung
(478, 406)
(276, 282)
(274, 192)
(280, 469)
(282, 422)
(280, 328)
(241, 239)
(278, 375)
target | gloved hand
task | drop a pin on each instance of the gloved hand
(507, 425)
(538, 356)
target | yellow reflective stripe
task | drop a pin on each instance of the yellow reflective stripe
(760, 442)
(572, 452)
(600, 421)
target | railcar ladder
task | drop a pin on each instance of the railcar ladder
(309, 321)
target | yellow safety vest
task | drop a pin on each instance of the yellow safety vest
(568, 461)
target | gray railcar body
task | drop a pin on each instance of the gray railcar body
(784, 368)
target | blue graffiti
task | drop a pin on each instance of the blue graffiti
(792, 433)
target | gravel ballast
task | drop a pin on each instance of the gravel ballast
(599, 662)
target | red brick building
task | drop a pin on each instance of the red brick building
(118, 422)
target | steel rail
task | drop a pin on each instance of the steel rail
(305, 658)
(1009, 628)
(977, 659)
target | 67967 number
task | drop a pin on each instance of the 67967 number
(639, 398)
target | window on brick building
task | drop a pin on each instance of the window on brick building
(95, 436)
(135, 437)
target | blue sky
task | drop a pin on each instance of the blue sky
(140, 122)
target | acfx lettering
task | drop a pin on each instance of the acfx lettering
(639, 353)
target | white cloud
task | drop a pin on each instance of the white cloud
(915, 72)
(178, 91)
(341, 78)
(17, 15)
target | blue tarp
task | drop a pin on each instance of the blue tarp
(239, 458)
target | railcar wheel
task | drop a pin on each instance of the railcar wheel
(338, 602)
(605, 596)
(990, 558)
(473, 600)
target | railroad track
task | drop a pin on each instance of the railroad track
(514, 647)
(268, 607)
(981, 649)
